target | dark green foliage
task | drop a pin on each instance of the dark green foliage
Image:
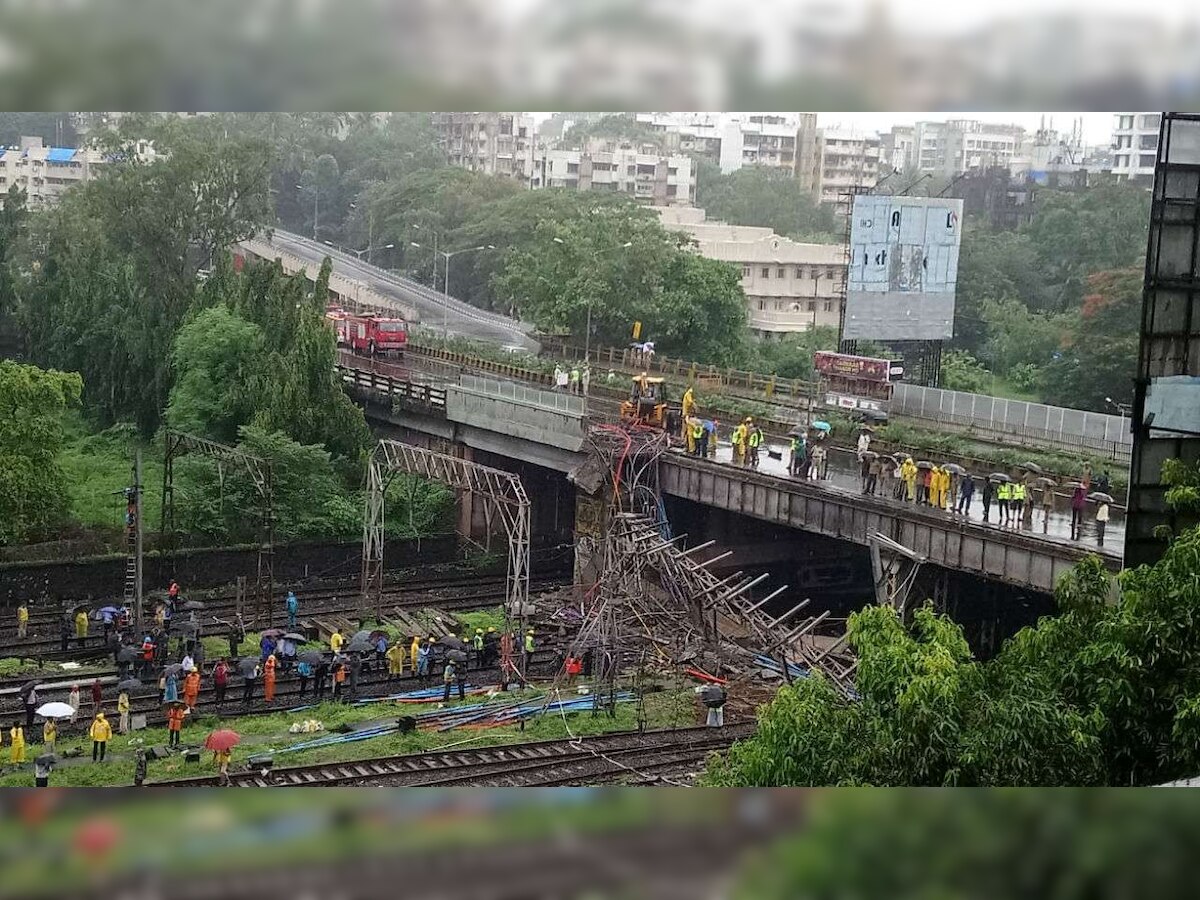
(33, 491)
(767, 196)
(1103, 693)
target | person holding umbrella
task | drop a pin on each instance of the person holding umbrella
(1102, 502)
(49, 735)
(221, 743)
(42, 767)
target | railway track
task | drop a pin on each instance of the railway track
(459, 593)
(542, 763)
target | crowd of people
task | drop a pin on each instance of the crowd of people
(171, 651)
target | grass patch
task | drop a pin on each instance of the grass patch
(672, 707)
(98, 464)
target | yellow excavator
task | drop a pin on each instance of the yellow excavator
(646, 404)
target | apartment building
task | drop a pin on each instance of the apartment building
(849, 162)
(948, 149)
(494, 143)
(896, 149)
(1135, 146)
(619, 167)
(790, 286)
(732, 140)
(45, 173)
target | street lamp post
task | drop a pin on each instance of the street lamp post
(446, 283)
(367, 250)
(587, 331)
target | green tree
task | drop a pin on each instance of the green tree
(1099, 358)
(962, 372)
(792, 356)
(33, 492)
(617, 126)
(579, 268)
(112, 271)
(1105, 692)
(769, 197)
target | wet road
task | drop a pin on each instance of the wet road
(437, 311)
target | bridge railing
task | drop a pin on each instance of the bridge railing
(397, 391)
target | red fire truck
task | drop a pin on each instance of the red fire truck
(370, 333)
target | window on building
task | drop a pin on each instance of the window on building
(1124, 122)
(812, 305)
(671, 190)
(1151, 120)
(799, 271)
(672, 170)
(631, 170)
(762, 305)
(780, 272)
(1146, 161)
(828, 306)
(1148, 142)
(572, 168)
(1124, 140)
(746, 271)
(766, 272)
(1121, 161)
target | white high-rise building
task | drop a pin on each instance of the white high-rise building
(1135, 145)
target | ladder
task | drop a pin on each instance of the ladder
(131, 558)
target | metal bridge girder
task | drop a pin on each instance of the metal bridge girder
(503, 491)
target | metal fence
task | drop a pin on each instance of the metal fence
(520, 393)
(1067, 428)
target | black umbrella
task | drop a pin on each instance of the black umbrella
(362, 636)
(194, 604)
(272, 632)
(28, 687)
(954, 469)
(798, 431)
(357, 646)
(173, 669)
(128, 654)
(1032, 467)
(453, 643)
(869, 454)
(129, 684)
(998, 478)
(247, 665)
(293, 636)
(924, 464)
(458, 656)
(312, 657)
(1100, 497)
(46, 759)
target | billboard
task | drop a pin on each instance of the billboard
(851, 366)
(903, 268)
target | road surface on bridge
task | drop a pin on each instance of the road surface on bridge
(436, 310)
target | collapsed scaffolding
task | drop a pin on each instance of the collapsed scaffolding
(657, 604)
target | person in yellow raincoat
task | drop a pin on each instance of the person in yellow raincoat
(395, 660)
(49, 735)
(414, 651)
(687, 408)
(81, 625)
(16, 753)
(935, 487)
(908, 474)
(740, 433)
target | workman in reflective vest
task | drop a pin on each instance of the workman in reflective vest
(697, 442)
(754, 441)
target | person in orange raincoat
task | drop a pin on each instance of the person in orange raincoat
(269, 678)
(175, 714)
(191, 688)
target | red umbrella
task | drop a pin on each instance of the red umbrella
(222, 740)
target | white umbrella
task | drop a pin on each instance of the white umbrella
(55, 710)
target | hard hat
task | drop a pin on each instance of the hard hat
(432, 639)
(491, 629)
(479, 631)
(530, 631)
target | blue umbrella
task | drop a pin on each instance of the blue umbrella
(822, 426)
